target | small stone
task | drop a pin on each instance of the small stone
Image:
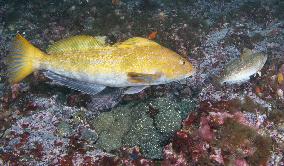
(280, 93)
(186, 92)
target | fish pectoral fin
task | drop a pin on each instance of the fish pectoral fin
(77, 43)
(135, 89)
(134, 77)
(82, 86)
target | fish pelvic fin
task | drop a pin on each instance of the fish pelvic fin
(24, 58)
(134, 77)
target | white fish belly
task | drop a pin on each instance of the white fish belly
(241, 76)
(112, 80)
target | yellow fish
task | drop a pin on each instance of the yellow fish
(88, 64)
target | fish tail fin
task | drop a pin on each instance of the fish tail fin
(24, 58)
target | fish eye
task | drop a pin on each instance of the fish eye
(182, 62)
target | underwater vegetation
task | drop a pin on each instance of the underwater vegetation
(148, 125)
(195, 121)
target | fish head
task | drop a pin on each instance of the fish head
(156, 64)
(176, 67)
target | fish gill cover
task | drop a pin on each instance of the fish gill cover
(195, 121)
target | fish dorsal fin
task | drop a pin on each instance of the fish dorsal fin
(136, 41)
(77, 43)
(246, 52)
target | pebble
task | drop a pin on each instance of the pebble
(280, 93)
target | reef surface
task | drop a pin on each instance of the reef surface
(195, 122)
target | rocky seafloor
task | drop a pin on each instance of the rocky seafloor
(189, 123)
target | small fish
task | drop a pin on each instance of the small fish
(153, 35)
(88, 64)
(240, 69)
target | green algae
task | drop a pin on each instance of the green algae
(185, 106)
(64, 129)
(109, 140)
(102, 122)
(131, 125)
(168, 119)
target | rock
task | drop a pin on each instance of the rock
(1, 89)
(89, 135)
(102, 122)
(64, 129)
(168, 121)
(109, 141)
(132, 125)
(111, 127)
(139, 132)
(89, 23)
(144, 134)
(185, 106)
(105, 101)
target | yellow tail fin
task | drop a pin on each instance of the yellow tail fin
(24, 58)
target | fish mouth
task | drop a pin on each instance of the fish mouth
(189, 75)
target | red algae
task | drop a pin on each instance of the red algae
(218, 134)
(205, 132)
(24, 139)
(11, 158)
(37, 152)
(240, 141)
(105, 160)
(66, 160)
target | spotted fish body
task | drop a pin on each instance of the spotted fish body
(239, 70)
(89, 62)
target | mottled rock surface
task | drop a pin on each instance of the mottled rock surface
(47, 124)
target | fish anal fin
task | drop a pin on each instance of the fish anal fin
(135, 89)
(77, 43)
(134, 77)
(82, 86)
